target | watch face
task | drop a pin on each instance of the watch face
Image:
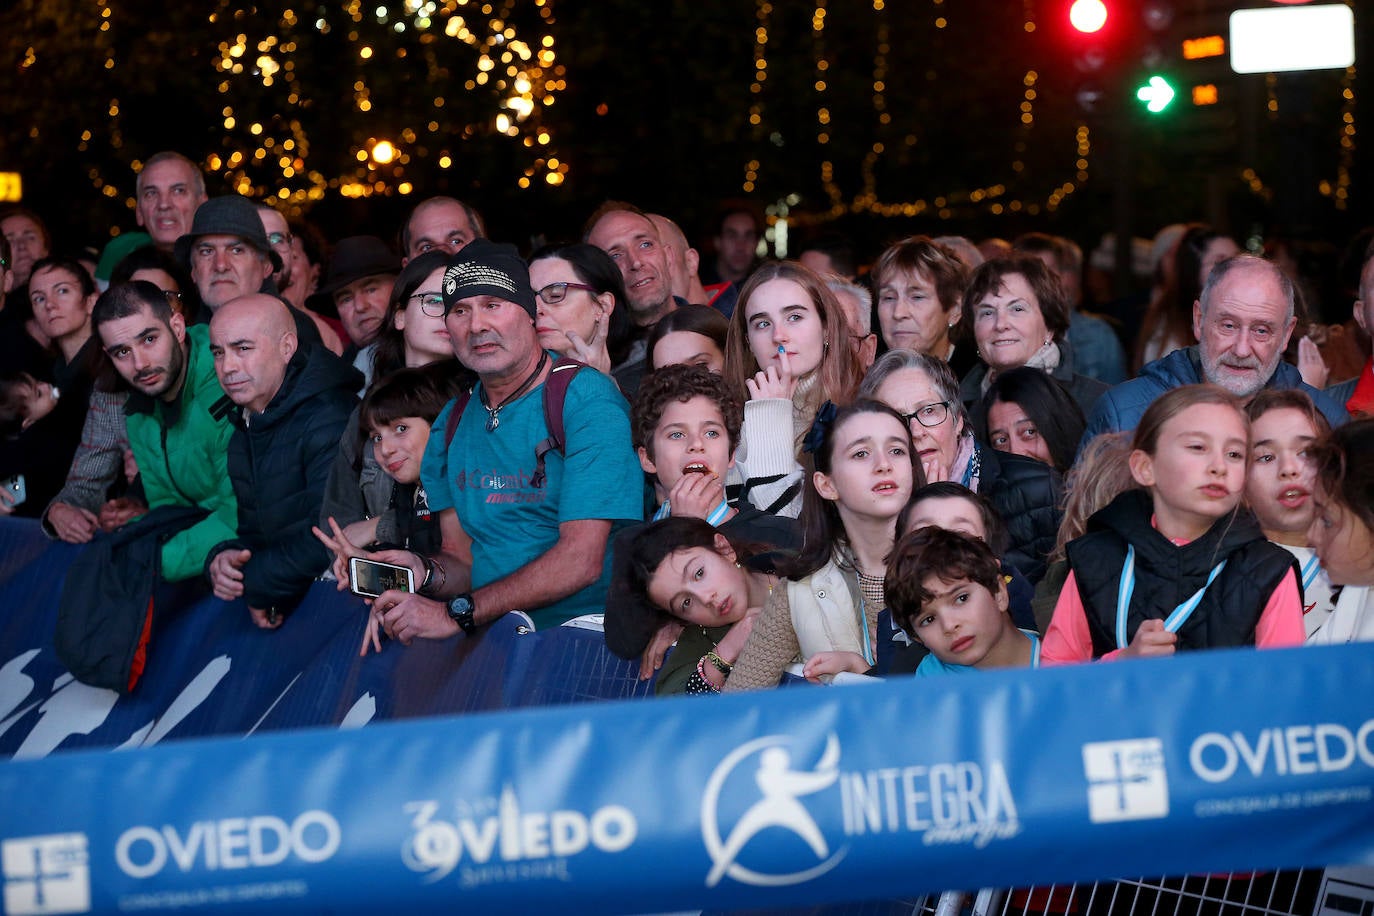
(460, 605)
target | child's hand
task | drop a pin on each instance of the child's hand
(1151, 641)
(832, 663)
(663, 640)
(696, 495)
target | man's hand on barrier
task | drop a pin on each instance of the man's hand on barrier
(72, 524)
(406, 616)
(226, 574)
(1150, 641)
(118, 512)
(652, 659)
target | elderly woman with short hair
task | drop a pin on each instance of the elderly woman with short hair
(1018, 314)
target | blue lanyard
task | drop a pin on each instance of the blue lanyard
(714, 519)
(1310, 570)
(1035, 648)
(863, 628)
(1175, 620)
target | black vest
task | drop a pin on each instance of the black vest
(1167, 575)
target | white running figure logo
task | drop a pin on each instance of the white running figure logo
(781, 786)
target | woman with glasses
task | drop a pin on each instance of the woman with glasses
(359, 492)
(1025, 492)
(581, 311)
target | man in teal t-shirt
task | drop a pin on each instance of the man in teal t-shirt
(510, 544)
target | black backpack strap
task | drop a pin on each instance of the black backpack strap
(555, 393)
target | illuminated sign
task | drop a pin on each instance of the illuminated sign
(1206, 46)
(1277, 39)
(11, 187)
(1205, 95)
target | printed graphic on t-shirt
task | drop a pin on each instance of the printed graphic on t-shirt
(501, 487)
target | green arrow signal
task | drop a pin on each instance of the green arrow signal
(1156, 94)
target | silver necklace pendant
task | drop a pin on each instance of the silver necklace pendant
(493, 420)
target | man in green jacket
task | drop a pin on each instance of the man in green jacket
(177, 416)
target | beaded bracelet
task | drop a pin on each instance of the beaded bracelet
(701, 673)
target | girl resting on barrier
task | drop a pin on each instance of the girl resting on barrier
(1179, 564)
(685, 569)
(825, 613)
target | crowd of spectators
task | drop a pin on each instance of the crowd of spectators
(957, 455)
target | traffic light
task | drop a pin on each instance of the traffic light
(1088, 16)
(1156, 94)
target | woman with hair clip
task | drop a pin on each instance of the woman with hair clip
(787, 353)
(825, 613)
(685, 569)
(413, 335)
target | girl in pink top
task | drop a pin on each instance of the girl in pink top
(1178, 564)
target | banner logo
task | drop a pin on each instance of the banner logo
(46, 874)
(781, 786)
(1126, 780)
(1297, 750)
(504, 843)
(232, 843)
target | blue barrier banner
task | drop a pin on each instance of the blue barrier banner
(1199, 763)
(211, 672)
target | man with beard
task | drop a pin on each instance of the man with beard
(176, 415)
(1242, 322)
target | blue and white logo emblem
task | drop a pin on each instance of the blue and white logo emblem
(1126, 780)
(780, 783)
(46, 874)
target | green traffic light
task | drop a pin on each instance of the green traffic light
(1156, 94)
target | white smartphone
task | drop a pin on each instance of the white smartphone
(370, 578)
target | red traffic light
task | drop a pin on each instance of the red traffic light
(1088, 16)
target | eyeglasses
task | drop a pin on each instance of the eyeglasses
(432, 304)
(930, 415)
(278, 238)
(555, 292)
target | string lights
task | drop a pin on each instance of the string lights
(994, 198)
(266, 65)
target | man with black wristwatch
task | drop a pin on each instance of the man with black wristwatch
(514, 538)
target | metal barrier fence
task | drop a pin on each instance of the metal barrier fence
(1301, 892)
